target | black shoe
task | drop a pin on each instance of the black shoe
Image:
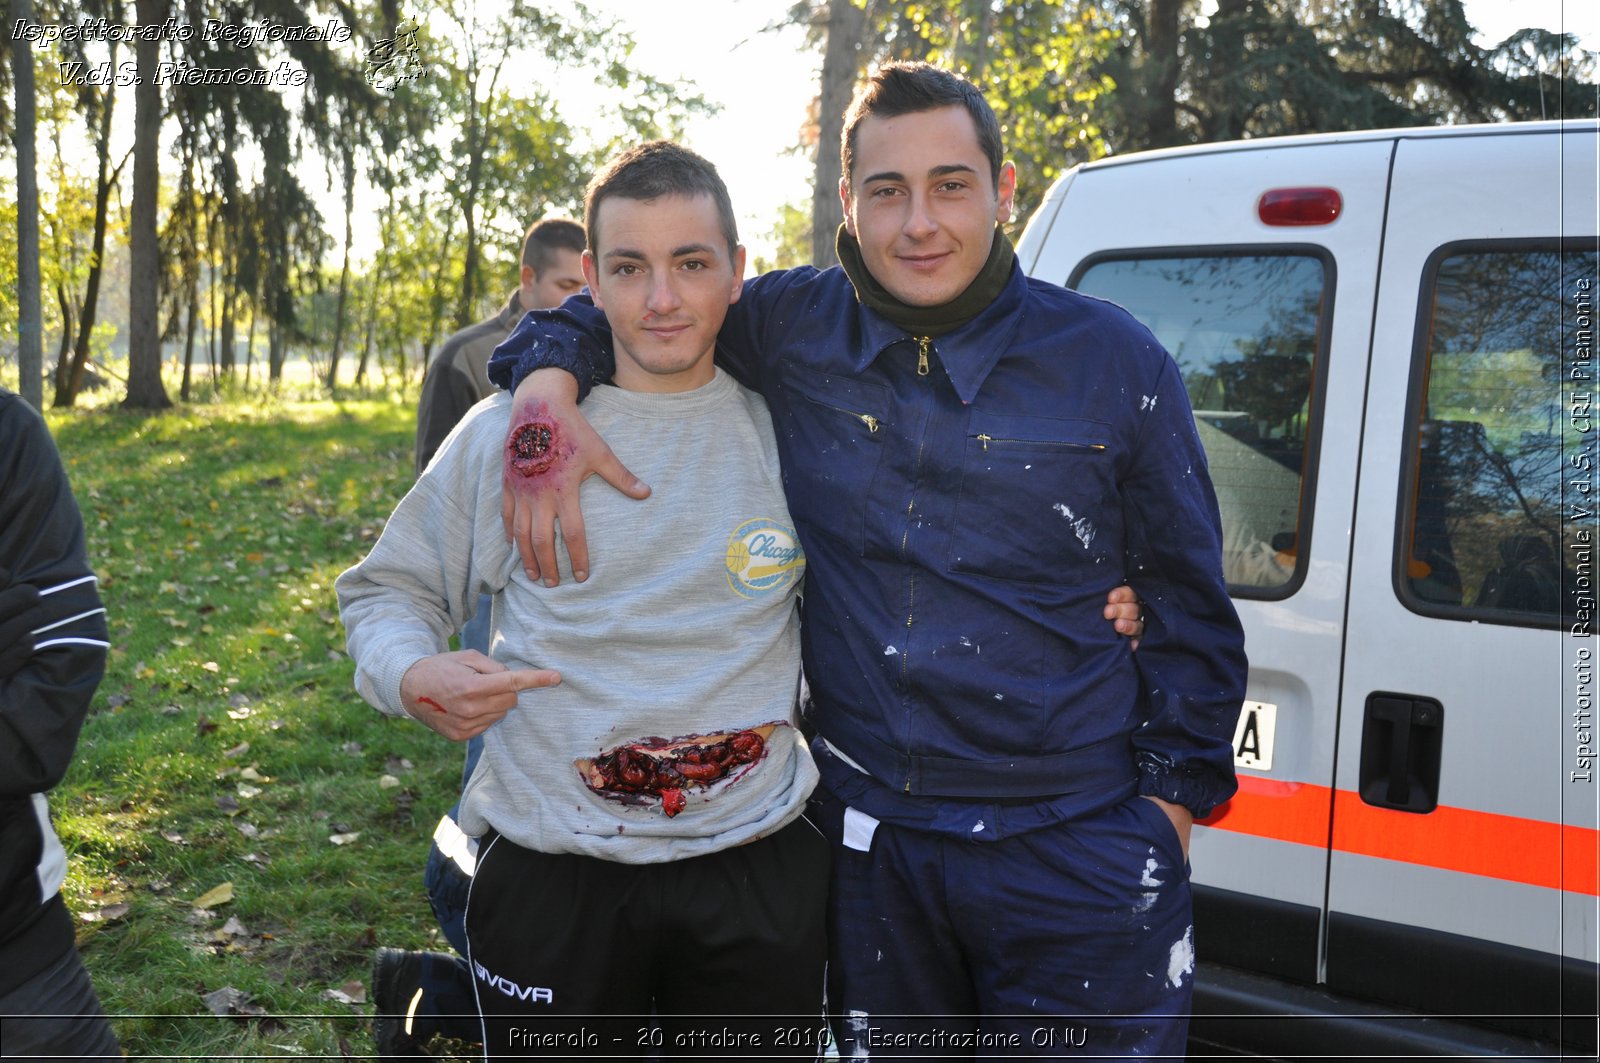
(396, 986)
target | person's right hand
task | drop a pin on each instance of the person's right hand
(463, 693)
(20, 613)
(550, 450)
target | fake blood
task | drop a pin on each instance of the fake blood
(434, 705)
(666, 772)
(532, 449)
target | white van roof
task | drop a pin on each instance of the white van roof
(1574, 125)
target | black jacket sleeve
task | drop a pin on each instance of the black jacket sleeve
(45, 696)
(447, 395)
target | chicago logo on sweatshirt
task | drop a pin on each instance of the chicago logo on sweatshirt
(764, 557)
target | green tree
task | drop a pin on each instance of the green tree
(1036, 60)
(1273, 67)
(1074, 79)
(791, 238)
(511, 156)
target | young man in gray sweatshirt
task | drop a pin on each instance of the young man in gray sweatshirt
(638, 806)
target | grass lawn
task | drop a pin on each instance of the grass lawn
(226, 746)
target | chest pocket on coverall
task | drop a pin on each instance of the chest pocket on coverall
(835, 438)
(1038, 500)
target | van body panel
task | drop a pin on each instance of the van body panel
(1505, 736)
(1422, 833)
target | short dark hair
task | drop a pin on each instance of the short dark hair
(652, 170)
(547, 236)
(908, 88)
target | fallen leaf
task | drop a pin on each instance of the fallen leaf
(253, 775)
(249, 830)
(227, 804)
(388, 782)
(110, 913)
(396, 764)
(212, 666)
(237, 751)
(349, 993)
(344, 839)
(247, 792)
(204, 726)
(234, 928)
(231, 1001)
(219, 896)
(174, 837)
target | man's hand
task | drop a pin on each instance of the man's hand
(1182, 821)
(1126, 613)
(550, 450)
(464, 693)
(20, 613)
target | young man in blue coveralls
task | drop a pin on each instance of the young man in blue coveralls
(972, 459)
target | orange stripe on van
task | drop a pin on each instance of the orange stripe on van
(1511, 848)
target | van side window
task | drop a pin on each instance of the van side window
(1247, 331)
(1481, 534)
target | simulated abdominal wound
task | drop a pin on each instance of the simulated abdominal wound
(662, 769)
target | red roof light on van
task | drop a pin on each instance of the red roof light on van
(1299, 206)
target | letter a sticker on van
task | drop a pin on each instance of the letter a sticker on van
(1252, 738)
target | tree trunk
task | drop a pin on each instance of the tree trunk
(376, 278)
(440, 276)
(231, 239)
(972, 47)
(847, 26)
(469, 271)
(64, 348)
(211, 329)
(188, 335)
(275, 352)
(67, 394)
(1161, 57)
(250, 344)
(344, 272)
(145, 390)
(30, 312)
(191, 255)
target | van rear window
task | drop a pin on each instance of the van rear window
(1247, 331)
(1484, 536)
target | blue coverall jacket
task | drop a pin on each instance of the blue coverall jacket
(965, 505)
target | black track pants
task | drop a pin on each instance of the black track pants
(573, 955)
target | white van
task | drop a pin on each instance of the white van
(1388, 341)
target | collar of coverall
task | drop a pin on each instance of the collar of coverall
(928, 320)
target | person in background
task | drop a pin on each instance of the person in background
(52, 654)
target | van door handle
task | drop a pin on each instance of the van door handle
(1401, 739)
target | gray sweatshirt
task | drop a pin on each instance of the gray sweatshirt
(681, 645)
